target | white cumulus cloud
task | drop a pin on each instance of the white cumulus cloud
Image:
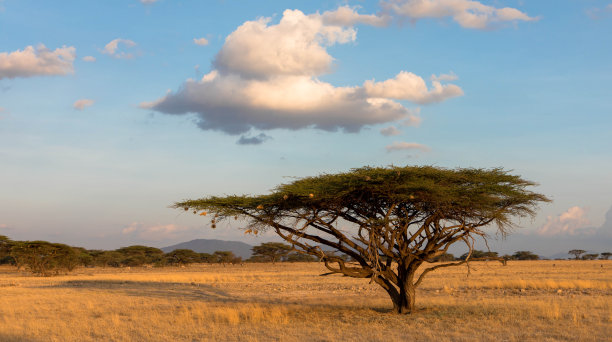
(266, 76)
(200, 41)
(113, 48)
(82, 103)
(402, 146)
(294, 46)
(37, 61)
(408, 86)
(467, 13)
(570, 222)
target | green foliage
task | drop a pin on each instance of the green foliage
(444, 257)
(140, 255)
(44, 258)
(577, 253)
(477, 254)
(207, 257)
(467, 194)
(182, 257)
(300, 257)
(525, 255)
(5, 250)
(590, 256)
(258, 258)
(226, 257)
(605, 255)
(271, 251)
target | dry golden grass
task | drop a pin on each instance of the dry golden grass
(524, 301)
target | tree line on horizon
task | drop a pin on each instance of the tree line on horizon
(47, 258)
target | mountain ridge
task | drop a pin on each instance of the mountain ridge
(210, 246)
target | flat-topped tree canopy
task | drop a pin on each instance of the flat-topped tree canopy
(383, 215)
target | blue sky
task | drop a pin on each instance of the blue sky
(112, 110)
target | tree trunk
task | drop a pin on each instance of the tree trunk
(404, 301)
(402, 296)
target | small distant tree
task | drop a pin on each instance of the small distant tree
(84, 257)
(389, 220)
(139, 255)
(107, 258)
(592, 256)
(300, 257)
(444, 258)
(44, 258)
(605, 255)
(525, 255)
(226, 257)
(577, 253)
(182, 257)
(258, 258)
(479, 255)
(207, 257)
(271, 251)
(5, 250)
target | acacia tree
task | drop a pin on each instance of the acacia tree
(390, 221)
(577, 253)
(5, 249)
(182, 257)
(42, 257)
(271, 251)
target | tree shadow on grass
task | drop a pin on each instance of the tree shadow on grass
(4, 337)
(149, 289)
(208, 293)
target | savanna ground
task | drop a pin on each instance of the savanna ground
(523, 301)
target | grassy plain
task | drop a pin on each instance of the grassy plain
(523, 301)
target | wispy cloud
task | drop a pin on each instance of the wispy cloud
(266, 76)
(256, 140)
(348, 16)
(390, 131)
(597, 13)
(37, 61)
(467, 13)
(82, 103)
(444, 77)
(158, 232)
(404, 146)
(89, 59)
(200, 41)
(115, 48)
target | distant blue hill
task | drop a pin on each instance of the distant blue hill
(240, 249)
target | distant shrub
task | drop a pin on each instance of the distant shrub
(525, 255)
(44, 258)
